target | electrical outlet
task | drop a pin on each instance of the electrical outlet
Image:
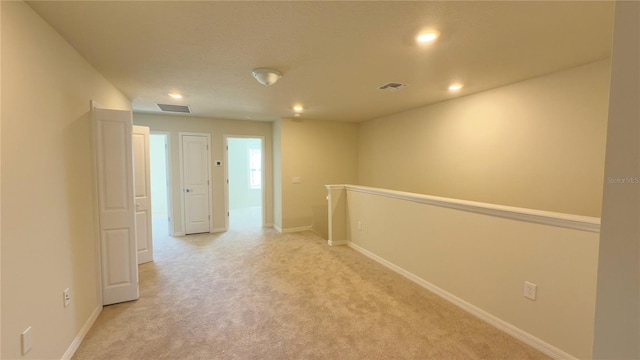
(359, 225)
(67, 297)
(530, 290)
(25, 340)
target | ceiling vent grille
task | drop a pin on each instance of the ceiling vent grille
(175, 108)
(392, 86)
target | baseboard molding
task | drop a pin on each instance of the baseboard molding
(506, 327)
(83, 332)
(179, 233)
(217, 230)
(337, 242)
(297, 229)
(277, 228)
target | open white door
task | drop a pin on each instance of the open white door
(195, 180)
(142, 191)
(116, 211)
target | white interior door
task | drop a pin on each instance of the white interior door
(195, 177)
(142, 191)
(116, 210)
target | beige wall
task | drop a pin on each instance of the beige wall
(486, 262)
(321, 153)
(536, 144)
(617, 332)
(48, 233)
(217, 128)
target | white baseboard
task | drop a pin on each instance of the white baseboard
(83, 332)
(337, 242)
(217, 230)
(296, 229)
(291, 230)
(506, 327)
(178, 233)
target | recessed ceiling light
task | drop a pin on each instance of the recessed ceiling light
(175, 95)
(298, 108)
(427, 37)
(455, 87)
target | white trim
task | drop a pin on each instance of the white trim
(217, 230)
(502, 325)
(336, 187)
(183, 212)
(297, 229)
(337, 242)
(277, 228)
(584, 223)
(179, 233)
(75, 344)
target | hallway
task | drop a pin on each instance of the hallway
(254, 293)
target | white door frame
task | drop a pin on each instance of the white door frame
(226, 175)
(182, 209)
(167, 137)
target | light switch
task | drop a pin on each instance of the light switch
(296, 180)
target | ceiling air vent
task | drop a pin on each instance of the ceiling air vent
(175, 108)
(392, 86)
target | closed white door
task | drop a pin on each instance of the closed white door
(116, 209)
(195, 173)
(142, 191)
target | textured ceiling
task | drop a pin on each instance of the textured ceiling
(333, 55)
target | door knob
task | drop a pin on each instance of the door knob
(187, 190)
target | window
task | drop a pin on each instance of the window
(255, 168)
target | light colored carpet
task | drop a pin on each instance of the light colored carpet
(253, 293)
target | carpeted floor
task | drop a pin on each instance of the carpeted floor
(253, 293)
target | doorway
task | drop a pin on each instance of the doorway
(245, 182)
(159, 146)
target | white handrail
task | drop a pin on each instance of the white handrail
(578, 222)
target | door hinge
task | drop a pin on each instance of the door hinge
(227, 147)
(169, 219)
(227, 213)
(227, 181)
(208, 182)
